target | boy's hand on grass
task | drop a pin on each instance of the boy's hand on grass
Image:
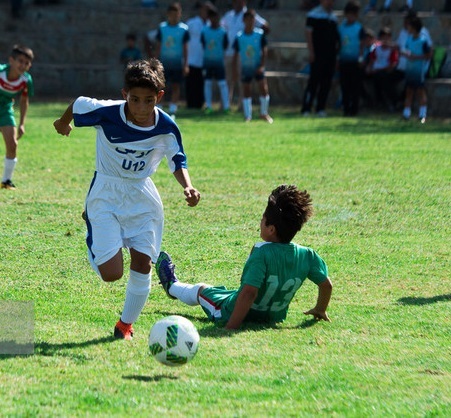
(62, 128)
(318, 315)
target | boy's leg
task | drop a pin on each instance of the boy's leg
(173, 105)
(138, 289)
(10, 137)
(310, 91)
(408, 103)
(247, 101)
(208, 93)
(423, 100)
(224, 92)
(264, 101)
(185, 292)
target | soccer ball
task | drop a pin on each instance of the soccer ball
(173, 340)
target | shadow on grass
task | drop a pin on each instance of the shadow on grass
(419, 300)
(47, 349)
(156, 378)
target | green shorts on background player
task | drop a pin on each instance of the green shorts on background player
(274, 271)
(14, 82)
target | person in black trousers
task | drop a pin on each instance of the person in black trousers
(323, 42)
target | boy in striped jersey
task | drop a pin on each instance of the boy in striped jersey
(14, 81)
(274, 271)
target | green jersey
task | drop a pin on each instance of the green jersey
(278, 271)
(10, 89)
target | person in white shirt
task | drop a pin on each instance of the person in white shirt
(194, 81)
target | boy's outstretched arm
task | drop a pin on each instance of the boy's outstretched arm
(192, 195)
(62, 125)
(324, 294)
(243, 303)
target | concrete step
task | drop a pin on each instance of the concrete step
(223, 5)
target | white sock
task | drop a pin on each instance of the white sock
(172, 108)
(208, 93)
(224, 92)
(138, 289)
(186, 293)
(407, 112)
(247, 107)
(10, 164)
(264, 104)
(423, 111)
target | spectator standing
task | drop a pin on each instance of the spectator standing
(251, 47)
(383, 61)
(323, 42)
(172, 50)
(131, 52)
(194, 85)
(418, 52)
(214, 40)
(233, 23)
(351, 58)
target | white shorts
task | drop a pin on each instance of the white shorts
(122, 213)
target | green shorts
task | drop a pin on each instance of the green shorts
(218, 303)
(7, 117)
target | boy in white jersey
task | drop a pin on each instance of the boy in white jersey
(14, 81)
(250, 52)
(274, 271)
(123, 207)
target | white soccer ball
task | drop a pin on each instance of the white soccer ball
(173, 340)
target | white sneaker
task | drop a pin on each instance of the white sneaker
(306, 114)
(321, 114)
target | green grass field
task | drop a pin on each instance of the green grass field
(382, 195)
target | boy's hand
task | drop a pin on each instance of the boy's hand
(62, 128)
(20, 131)
(318, 315)
(192, 196)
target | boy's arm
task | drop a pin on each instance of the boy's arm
(192, 196)
(243, 304)
(324, 294)
(24, 102)
(62, 125)
(185, 59)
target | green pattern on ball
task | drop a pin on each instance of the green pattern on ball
(155, 348)
(171, 336)
(173, 358)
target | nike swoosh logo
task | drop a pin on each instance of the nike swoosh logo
(115, 138)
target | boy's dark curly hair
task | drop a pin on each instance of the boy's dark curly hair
(288, 210)
(145, 73)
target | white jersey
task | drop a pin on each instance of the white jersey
(126, 150)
